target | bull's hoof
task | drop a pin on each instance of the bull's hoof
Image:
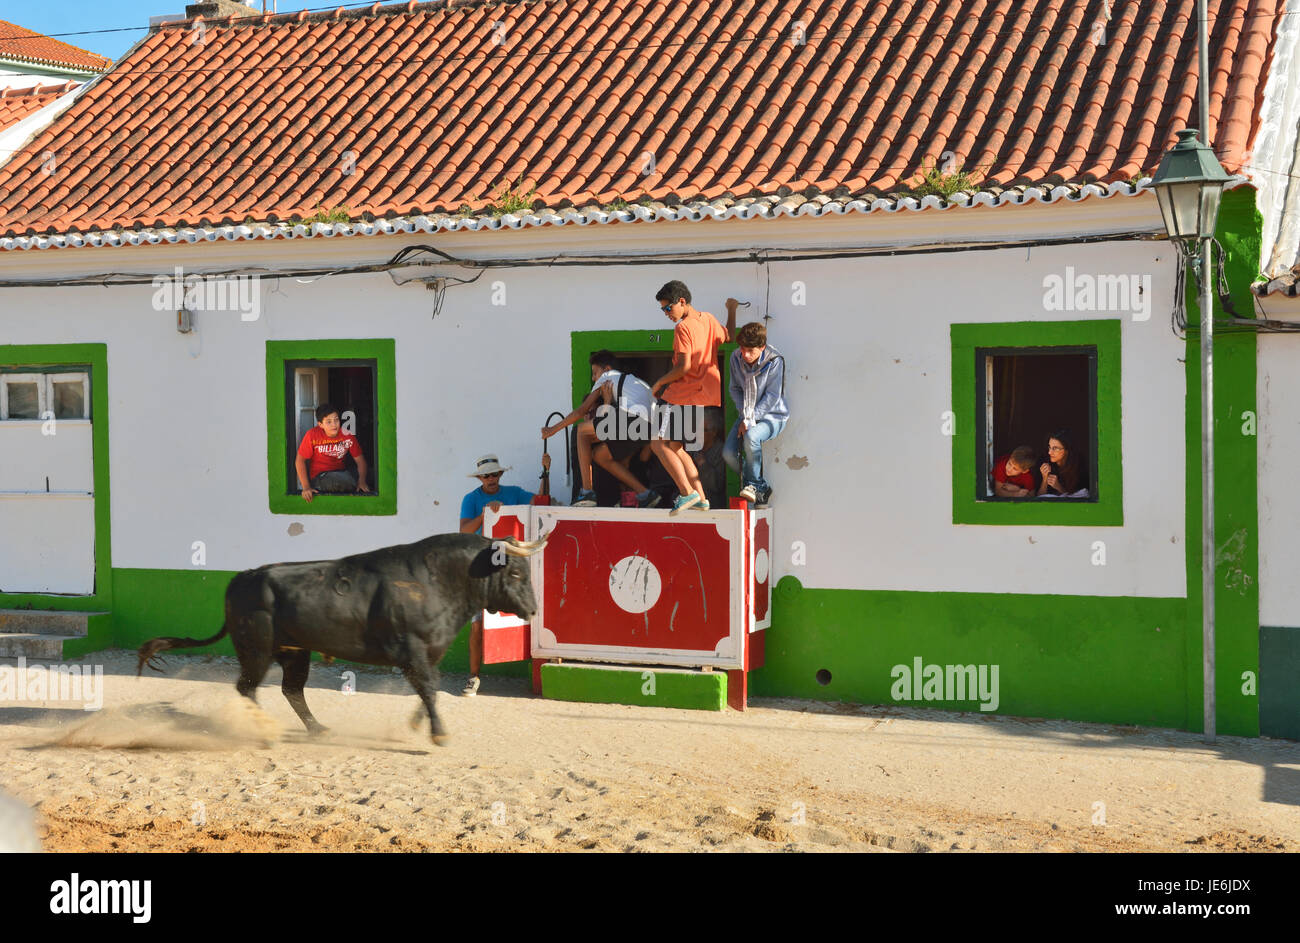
(316, 730)
(440, 739)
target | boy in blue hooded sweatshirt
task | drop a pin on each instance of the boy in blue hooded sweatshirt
(757, 388)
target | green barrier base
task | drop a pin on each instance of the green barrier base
(644, 687)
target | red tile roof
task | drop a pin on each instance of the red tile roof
(22, 45)
(436, 105)
(17, 103)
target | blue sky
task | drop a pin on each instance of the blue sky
(110, 27)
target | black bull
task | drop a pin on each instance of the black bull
(398, 606)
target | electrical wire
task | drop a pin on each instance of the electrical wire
(407, 257)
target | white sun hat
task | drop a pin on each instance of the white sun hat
(486, 465)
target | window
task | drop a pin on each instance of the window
(648, 355)
(1028, 394)
(357, 377)
(1015, 384)
(349, 386)
(44, 396)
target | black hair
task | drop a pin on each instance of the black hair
(603, 358)
(324, 409)
(1073, 473)
(672, 292)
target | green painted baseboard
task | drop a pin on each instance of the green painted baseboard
(1279, 681)
(99, 636)
(643, 687)
(1091, 658)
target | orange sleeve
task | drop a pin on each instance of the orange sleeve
(686, 343)
(355, 448)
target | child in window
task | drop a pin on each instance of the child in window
(320, 457)
(1013, 475)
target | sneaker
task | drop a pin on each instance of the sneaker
(648, 499)
(749, 493)
(684, 501)
(764, 499)
(702, 505)
(586, 499)
(471, 687)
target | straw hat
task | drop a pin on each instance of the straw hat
(487, 465)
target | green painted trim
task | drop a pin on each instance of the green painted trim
(1097, 659)
(93, 357)
(601, 684)
(99, 636)
(1279, 694)
(1236, 498)
(1104, 335)
(380, 350)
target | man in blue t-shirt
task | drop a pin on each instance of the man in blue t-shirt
(491, 493)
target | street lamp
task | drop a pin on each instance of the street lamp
(1188, 186)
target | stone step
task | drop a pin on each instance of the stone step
(31, 645)
(44, 622)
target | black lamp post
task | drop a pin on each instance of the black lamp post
(1188, 186)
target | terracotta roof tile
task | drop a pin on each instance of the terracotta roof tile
(422, 108)
(19, 44)
(17, 103)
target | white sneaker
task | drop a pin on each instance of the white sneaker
(471, 687)
(749, 493)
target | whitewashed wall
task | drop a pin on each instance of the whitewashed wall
(1278, 409)
(869, 376)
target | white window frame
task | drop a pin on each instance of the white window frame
(44, 393)
(81, 376)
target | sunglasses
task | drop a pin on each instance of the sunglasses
(665, 308)
(491, 475)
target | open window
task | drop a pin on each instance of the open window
(1015, 384)
(1028, 393)
(648, 355)
(350, 387)
(355, 376)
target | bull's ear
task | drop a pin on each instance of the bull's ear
(483, 564)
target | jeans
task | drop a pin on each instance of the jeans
(334, 482)
(755, 436)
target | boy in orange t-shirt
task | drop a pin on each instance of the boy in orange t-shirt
(692, 384)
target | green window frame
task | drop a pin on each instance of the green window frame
(279, 354)
(92, 358)
(968, 342)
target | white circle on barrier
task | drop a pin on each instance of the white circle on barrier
(634, 584)
(761, 564)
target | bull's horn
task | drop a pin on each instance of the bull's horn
(530, 545)
(522, 548)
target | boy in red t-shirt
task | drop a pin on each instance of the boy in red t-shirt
(692, 384)
(322, 450)
(1013, 475)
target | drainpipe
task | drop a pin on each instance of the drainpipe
(1207, 404)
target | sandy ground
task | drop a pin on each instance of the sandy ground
(178, 762)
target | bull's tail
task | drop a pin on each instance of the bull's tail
(150, 651)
